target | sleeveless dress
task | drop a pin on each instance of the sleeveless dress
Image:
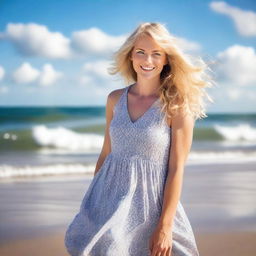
(123, 202)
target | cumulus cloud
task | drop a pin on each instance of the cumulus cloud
(97, 69)
(27, 74)
(245, 21)
(49, 75)
(95, 78)
(188, 45)
(2, 73)
(235, 71)
(95, 42)
(36, 40)
(95, 72)
(237, 65)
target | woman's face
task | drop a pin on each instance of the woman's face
(147, 57)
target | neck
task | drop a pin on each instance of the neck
(146, 88)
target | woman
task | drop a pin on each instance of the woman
(132, 205)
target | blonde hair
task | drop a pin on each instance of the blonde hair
(182, 82)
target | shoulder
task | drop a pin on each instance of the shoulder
(112, 99)
(114, 96)
(181, 118)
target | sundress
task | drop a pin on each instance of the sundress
(123, 202)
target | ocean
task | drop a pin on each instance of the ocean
(50, 141)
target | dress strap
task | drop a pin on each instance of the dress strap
(121, 101)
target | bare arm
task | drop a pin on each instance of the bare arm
(106, 148)
(182, 136)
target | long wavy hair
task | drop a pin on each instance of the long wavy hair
(182, 81)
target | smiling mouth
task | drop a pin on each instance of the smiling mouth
(147, 69)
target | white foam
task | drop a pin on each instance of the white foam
(235, 133)
(63, 138)
(9, 136)
(7, 171)
(221, 157)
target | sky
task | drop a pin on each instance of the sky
(56, 53)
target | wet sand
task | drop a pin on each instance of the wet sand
(219, 200)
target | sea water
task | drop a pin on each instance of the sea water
(37, 141)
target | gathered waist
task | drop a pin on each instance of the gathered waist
(134, 158)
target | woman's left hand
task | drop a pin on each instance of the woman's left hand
(160, 242)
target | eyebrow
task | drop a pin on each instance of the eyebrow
(152, 51)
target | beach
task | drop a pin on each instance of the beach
(220, 205)
(82, 82)
(209, 244)
(47, 160)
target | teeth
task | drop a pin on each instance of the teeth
(146, 68)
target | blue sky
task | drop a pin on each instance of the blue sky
(55, 53)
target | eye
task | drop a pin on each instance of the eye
(140, 52)
(158, 54)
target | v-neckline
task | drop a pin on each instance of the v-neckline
(127, 109)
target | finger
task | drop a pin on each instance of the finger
(157, 252)
(169, 252)
(154, 253)
(163, 252)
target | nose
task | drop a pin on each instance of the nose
(148, 58)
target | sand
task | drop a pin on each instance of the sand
(209, 244)
(218, 199)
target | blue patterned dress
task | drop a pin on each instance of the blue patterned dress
(123, 203)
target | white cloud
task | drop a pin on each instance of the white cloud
(235, 71)
(96, 80)
(95, 42)
(36, 40)
(188, 45)
(97, 69)
(95, 74)
(2, 73)
(48, 75)
(237, 65)
(27, 74)
(245, 21)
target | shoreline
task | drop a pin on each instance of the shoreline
(88, 171)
